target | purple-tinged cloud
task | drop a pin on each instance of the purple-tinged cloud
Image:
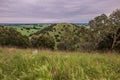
(54, 10)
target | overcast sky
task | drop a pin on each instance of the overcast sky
(47, 11)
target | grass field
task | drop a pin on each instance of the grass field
(22, 28)
(28, 64)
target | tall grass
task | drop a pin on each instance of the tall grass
(22, 64)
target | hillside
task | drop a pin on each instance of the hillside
(27, 29)
(65, 35)
(60, 29)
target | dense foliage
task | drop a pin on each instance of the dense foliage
(107, 31)
(10, 37)
(42, 41)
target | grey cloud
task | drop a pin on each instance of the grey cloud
(54, 11)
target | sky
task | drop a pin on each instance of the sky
(54, 11)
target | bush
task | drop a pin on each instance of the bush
(10, 37)
(42, 41)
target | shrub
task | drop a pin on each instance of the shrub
(42, 41)
(10, 37)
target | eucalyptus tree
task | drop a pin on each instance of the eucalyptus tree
(98, 27)
(106, 28)
(115, 28)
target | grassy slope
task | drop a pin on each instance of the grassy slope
(58, 30)
(21, 64)
(28, 32)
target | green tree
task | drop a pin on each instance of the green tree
(67, 41)
(98, 28)
(105, 29)
(83, 39)
(10, 37)
(115, 28)
(42, 41)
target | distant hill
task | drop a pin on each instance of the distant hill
(18, 24)
(31, 28)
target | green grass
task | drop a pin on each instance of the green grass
(22, 64)
(23, 31)
(26, 32)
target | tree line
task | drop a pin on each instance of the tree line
(103, 34)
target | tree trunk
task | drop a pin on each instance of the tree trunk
(114, 42)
